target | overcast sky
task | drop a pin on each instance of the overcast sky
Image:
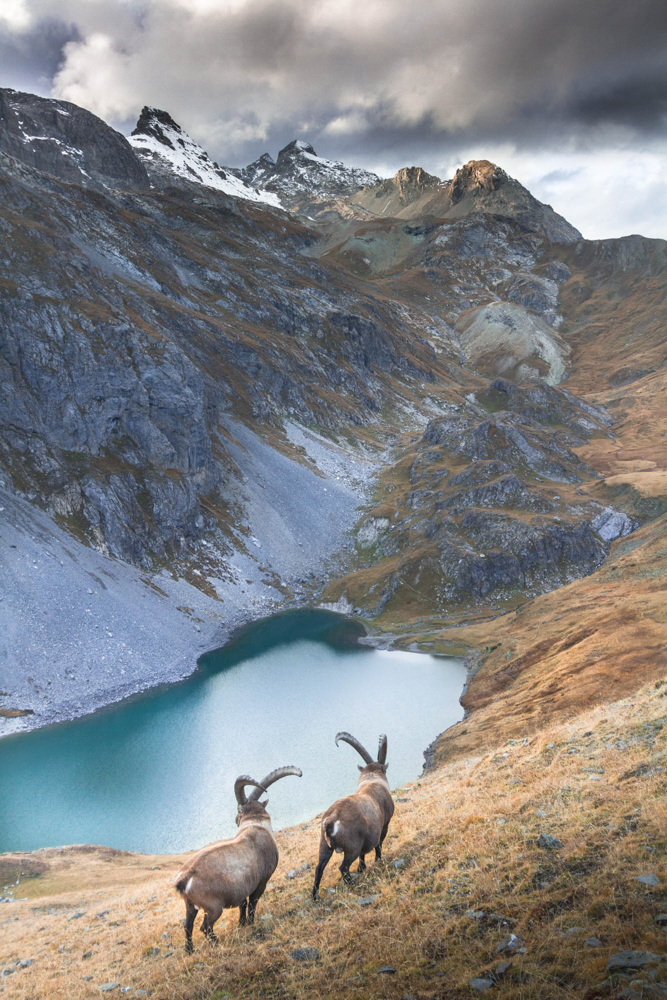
(569, 96)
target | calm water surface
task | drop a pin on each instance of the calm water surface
(155, 773)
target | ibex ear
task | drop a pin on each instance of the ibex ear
(264, 803)
(360, 767)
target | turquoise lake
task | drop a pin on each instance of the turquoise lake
(155, 773)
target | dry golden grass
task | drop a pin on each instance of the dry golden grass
(467, 834)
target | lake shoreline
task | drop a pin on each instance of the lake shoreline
(276, 693)
(20, 720)
(82, 630)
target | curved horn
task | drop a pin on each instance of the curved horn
(280, 772)
(239, 788)
(382, 750)
(357, 746)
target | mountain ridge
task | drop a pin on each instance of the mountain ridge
(161, 345)
(478, 185)
(67, 141)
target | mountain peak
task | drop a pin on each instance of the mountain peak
(295, 148)
(412, 182)
(169, 152)
(304, 180)
(475, 176)
(159, 124)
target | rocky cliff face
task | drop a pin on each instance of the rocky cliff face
(66, 141)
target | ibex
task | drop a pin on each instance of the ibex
(233, 872)
(358, 823)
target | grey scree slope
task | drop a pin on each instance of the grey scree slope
(79, 630)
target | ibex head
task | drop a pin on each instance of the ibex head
(250, 805)
(378, 766)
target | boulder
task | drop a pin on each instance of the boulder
(548, 841)
(624, 960)
(510, 943)
(305, 954)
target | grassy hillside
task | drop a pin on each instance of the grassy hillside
(463, 869)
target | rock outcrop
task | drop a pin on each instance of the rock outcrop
(67, 142)
(504, 338)
(494, 507)
(408, 186)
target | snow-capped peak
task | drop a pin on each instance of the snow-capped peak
(166, 148)
(298, 173)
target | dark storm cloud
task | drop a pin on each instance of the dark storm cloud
(367, 77)
(382, 83)
(638, 103)
(30, 59)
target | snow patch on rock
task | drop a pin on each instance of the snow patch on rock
(159, 139)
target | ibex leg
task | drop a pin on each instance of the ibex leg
(253, 899)
(188, 923)
(242, 912)
(362, 863)
(325, 857)
(345, 867)
(208, 921)
(378, 849)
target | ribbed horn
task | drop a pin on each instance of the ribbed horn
(382, 750)
(239, 788)
(357, 746)
(280, 772)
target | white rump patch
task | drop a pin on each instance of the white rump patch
(336, 828)
(188, 885)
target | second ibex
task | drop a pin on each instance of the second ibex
(358, 823)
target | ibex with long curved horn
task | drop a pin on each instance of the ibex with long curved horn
(233, 872)
(358, 823)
